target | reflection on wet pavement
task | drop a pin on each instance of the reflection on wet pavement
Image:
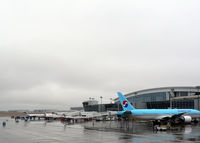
(93, 132)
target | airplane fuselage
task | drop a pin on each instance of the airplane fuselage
(156, 114)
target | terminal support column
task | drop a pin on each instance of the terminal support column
(171, 95)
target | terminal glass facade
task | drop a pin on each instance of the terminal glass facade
(183, 104)
(158, 100)
(158, 105)
(150, 97)
(176, 104)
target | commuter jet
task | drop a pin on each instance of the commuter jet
(171, 115)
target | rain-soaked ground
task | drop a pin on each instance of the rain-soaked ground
(92, 132)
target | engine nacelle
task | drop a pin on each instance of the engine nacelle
(187, 119)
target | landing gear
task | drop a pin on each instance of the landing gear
(159, 125)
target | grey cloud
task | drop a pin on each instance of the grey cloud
(59, 53)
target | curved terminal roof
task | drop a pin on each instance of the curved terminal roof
(163, 89)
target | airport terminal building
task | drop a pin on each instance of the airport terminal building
(155, 98)
(165, 97)
(92, 105)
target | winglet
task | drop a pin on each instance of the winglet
(124, 102)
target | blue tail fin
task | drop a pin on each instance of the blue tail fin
(124, 102)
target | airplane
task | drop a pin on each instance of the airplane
(173, 116)
(53, 116)
(34, 116)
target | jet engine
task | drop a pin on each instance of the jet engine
(182, 119)
(186, 119)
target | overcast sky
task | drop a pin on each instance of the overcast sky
(57, 53)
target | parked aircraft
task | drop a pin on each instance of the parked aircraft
(35, 115)
(170, 115)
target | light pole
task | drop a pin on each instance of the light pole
(101, 102)
(111, 100)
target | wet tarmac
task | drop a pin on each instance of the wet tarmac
(92, 132)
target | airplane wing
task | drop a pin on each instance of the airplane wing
(177, 115)
(173, 117)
